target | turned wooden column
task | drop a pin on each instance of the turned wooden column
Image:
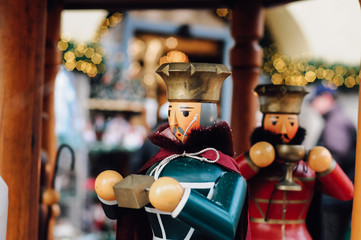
(52, 64)
(246, 59)
(22, 49)
(49, 143)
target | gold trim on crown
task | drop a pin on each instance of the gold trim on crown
(193, 82)
(280, 98)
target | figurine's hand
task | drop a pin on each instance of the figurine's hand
(262, 154)
(104, 184)
(165, 194)
(319, 159)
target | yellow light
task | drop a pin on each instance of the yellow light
(277, 79)
(222, 12)
(69, 65)
(311, 68)
(92, 72)
(268, 66)
(81, 47)
(329, 74)
(100, 51)
(350, 82)
(310, 76)
(288, 80)
(69, 56)
(300, 80)
(338, 80)
(302, 66)
(79, 65)
(320, 73)
(89, 52)
(350, 71)
(78, 54)
(62, 45)
(340, 70)
(115, 19)
(280, 65)
(97, 58)
(171, 42)
(105, 23)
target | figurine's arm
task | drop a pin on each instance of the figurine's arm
(261, 154)
(334, 181)
(216, 217)
(104, 189)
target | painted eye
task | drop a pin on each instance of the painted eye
(274, 123)
(186, 113)
(292, 123)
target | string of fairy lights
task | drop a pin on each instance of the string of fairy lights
(281, 69)
(87, 57)
(302, 70)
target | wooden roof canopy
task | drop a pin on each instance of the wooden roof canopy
(117, 5)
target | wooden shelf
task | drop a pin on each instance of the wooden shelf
(115, 105)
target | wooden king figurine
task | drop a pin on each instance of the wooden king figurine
(198, 191)
(282, 177)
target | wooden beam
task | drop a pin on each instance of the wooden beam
(118, 5)
(246, 59)
(22, 37)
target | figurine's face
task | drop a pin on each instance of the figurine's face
(183, 117)
(286, 125)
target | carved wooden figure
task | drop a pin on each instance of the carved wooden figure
(281, 183)
(198, 191)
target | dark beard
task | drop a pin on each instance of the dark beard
(259, 134)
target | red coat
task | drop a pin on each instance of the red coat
(276, 214)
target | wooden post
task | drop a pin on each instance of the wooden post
(49, 143)
(246, 59)
(52, 64)
(356, 207)
(22, 49)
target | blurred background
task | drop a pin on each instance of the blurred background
(108, 97)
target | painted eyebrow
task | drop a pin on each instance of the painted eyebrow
(186, 107)
(275, 117)
(291, 118)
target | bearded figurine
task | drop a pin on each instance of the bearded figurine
(198, 191)
(282, 176)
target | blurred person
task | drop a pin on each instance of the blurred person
(148, 149)
(339, 137)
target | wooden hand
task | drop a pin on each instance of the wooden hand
(319, 159)
(262, 154)
(104, 184)
(165, 194)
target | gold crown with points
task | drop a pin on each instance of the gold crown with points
(193, 82)
(280, 98)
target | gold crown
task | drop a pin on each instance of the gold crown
(193, 82)
(280, 98)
